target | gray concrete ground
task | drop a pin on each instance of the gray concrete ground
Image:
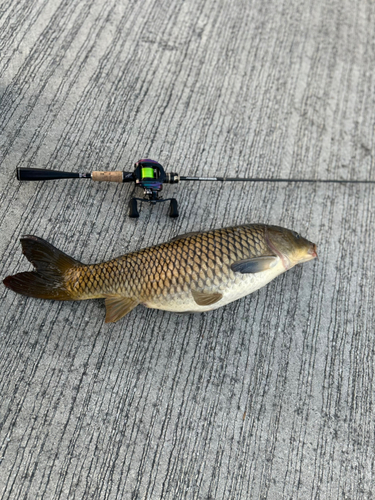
(270, 397)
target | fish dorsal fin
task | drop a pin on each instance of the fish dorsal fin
(117, 307)
(183, 236)
(255, 265)
(206, 298)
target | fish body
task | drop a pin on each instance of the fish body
(195, 272)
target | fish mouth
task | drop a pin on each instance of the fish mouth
(313, 251)
(310, 254)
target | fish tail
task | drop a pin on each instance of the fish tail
(49, 280)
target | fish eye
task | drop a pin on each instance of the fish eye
(296, 235)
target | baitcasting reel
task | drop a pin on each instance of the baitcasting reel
(150, 176)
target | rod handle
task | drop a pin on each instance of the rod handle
(107, 176)
(112, 176)
(43, 174)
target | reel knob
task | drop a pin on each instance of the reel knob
(173, 208)
(133, 209)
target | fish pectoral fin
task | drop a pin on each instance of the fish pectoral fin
(255, 265)
(117, 307)
(206, 298)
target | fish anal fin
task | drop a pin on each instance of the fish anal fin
(206, 298)
(117, 307)
(255, 265)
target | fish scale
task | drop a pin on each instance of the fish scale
(193, 272)
(201, 260)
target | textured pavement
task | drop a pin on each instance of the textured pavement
(270, 397)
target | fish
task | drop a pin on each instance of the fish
(193, 272)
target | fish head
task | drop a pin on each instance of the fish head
(290, 246)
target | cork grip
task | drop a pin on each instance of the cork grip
(107, 176)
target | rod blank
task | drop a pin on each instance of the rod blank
(262, 179)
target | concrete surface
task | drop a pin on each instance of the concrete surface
(271, 397)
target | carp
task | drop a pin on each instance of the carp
(194, 272)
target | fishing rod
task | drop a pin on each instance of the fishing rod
(150, 176)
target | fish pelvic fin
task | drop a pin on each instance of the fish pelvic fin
(206, 298)
(50, 277)
(117, 307)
